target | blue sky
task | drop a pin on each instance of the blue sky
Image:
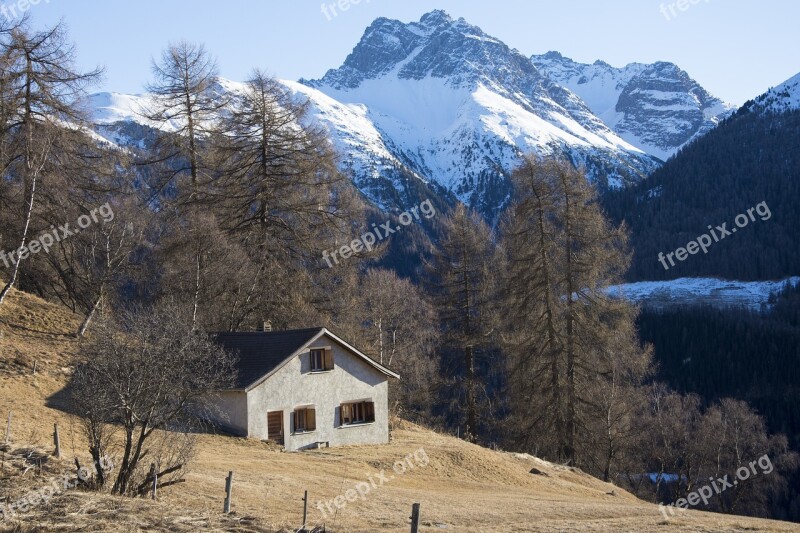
(735, 48)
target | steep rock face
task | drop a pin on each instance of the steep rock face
(658, 108)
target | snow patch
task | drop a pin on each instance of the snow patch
(753, 295)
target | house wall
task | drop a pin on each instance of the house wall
(294, 385)
(229, 410)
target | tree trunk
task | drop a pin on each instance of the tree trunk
(570, 451)
(86, 321)
(23, 241)
(469, 362)
(121, 483)
(469, 354)
(32, 173)
(552, 335)
(197, 286)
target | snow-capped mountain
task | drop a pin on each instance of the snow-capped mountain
(657, 108)
(110, 108)
(455, 107)
(785, 97)
(438, 107)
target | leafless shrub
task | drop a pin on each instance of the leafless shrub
(148, 375)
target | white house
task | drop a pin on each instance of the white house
(304, 389)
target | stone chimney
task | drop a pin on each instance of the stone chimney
(265, 326)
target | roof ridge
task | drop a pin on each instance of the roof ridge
(299, 330)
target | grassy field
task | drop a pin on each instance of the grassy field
(460, 486)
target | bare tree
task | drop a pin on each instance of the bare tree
(279, 176)
(687, 448)
(280, 200)
(46, 91)
(91, 266)
(151, 374)
(532, 335)
(202, 267)
(614, 405)
(395, 319)
(396, 326)
(186, 107)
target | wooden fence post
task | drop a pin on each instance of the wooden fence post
(415, 518)
(154, 470)
(8, 428)
(305, 510)
(57, 441)
(228, 489)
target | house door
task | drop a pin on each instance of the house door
(275, 426)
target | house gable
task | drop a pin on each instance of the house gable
(322, 339)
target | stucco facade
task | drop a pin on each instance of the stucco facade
(293, 385)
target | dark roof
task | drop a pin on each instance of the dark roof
(260, 353)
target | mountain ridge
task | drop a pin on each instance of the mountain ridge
(656, 107)
(439, 107)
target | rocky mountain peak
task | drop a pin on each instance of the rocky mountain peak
(437, 46)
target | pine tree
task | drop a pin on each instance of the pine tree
(568, 342)
(464, 284)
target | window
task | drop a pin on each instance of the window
(305, 419)
(358, 413)
(321, 359)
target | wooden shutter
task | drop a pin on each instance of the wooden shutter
(311, 419)
(346, 413)
(316, 361)
(369, 411)
(328, 359)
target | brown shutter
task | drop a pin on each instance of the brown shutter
(294, 422)
(370, 411)
(311, 419)
(328, 359)
(345, 414)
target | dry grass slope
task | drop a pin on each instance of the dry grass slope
(463, 487)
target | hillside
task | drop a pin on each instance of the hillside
(710, 183)
(462, 487)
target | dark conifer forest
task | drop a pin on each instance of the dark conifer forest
(750, 158)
